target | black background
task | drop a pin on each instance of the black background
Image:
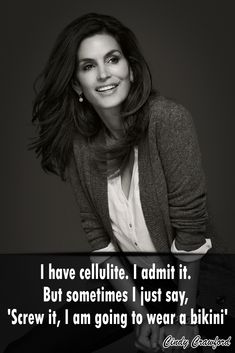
(189, 46)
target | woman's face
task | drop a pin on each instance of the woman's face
(103, 74)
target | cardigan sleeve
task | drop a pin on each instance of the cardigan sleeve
(110, 249)
(181, 161)
(193, 255)
(95, 232)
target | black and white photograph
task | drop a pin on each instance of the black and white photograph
(117, 178)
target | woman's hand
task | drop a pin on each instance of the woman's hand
(148, 337)
(183, 334)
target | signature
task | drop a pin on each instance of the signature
(197, 341)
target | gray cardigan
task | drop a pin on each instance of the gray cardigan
(171, 181)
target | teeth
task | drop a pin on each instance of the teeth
(105, 88)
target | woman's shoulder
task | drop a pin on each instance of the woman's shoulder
(164, 111)
(80, 147)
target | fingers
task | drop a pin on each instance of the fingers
(147, 339)
(144, 334)
(154, 338)
(161, 336)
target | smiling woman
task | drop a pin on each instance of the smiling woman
(92, 53)
(104, 77)
(133, 161)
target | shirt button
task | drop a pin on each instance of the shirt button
(135, 244)
(130, 225)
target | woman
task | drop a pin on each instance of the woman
(131, 156)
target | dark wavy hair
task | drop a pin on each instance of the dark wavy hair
(57, 112)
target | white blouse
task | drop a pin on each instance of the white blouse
(128, 223)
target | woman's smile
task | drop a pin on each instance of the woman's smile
(107, 89)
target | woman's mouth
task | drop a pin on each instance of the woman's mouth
(107, 88)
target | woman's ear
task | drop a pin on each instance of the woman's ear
(78, 90)
(77, 87)
(131, 75)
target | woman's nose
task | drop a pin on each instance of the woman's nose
(103, 73)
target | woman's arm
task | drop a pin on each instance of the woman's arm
(186, 188)
(181, 160)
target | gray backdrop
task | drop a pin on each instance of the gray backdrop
(189, 47)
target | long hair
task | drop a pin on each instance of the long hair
(57, 112)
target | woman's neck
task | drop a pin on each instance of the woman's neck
(112, 120)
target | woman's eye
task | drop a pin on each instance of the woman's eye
(114, 60)
(87, 67)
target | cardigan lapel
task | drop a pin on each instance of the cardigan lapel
(99, 190)
(153, 193)
(150, 195)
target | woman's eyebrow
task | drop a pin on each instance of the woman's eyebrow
(105, 56)
(111, 52)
